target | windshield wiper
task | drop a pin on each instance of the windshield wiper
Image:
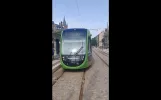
(79, 49)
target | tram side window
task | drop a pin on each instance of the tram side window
(89, 45)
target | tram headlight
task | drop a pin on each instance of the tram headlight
(82, 57)
(63, 58)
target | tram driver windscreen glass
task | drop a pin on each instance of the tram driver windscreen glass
(73, 42)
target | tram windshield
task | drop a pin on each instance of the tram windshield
(74, 41)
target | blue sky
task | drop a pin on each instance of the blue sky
(90, 14)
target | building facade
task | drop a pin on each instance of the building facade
(103, 38)
(56, 30)
(106, 38)
(59, 27)
(100, 37)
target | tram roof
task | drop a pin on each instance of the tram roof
(76, 28)
(79, 29)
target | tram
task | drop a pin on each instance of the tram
(75, 48)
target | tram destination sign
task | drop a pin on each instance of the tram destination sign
(74, 34)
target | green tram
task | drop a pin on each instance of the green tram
(75, 49)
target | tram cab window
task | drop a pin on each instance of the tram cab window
(73, 40)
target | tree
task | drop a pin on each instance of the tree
(57, 34)
(105, 40)
(94, 42)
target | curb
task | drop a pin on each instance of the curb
(53, 64)
(55, 67)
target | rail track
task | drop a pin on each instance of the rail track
(104, 53)
(83, 70)
(81, 81)
(103, 60)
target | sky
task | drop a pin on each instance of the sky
(90, 14)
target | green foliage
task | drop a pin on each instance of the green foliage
(94, 42)
(57, 34)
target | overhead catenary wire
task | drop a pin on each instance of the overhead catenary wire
(77, 7)
(78, 10)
